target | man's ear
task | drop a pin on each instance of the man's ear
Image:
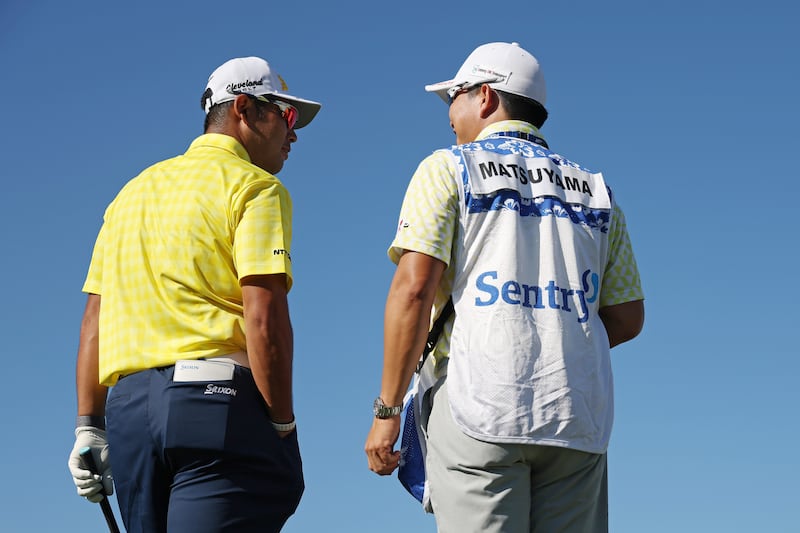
(242, 107)
(490, 101)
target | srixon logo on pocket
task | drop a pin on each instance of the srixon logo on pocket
(216, 389)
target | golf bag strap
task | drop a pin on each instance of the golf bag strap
(436, 330)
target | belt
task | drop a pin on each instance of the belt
(237, 358)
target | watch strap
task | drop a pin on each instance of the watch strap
(285, 427)
(383, 411)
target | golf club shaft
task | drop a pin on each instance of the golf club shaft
(88, 461)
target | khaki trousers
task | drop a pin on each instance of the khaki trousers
(484, 487)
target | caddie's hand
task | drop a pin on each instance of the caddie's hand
(91, 486)
(381, 457)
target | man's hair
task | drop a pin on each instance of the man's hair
(521, 108)
(216, 116)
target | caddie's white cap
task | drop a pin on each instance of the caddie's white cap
(504, 66)
(253, 75)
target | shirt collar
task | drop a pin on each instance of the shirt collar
(222, 142)
(508, 125)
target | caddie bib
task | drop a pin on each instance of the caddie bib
(529, 356)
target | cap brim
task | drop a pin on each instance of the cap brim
(307, 109)
(442, 87)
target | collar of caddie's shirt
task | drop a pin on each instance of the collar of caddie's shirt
(507, 126)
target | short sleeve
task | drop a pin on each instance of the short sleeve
(262, 239)
(621, 281)
(429, 212)
(94, 278)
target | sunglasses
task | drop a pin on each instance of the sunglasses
(466, 87)
(455, 90)
(289, 113)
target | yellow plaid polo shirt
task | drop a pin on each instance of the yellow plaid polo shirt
(173, 246)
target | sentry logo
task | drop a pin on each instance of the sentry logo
(546, 296)
(216, 389)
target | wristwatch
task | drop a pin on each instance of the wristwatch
(383, 411)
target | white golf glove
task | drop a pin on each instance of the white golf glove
(91, 486)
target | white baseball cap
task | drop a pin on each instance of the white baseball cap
(504, 66)
(253, 75)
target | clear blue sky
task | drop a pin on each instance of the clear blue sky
(690, 110)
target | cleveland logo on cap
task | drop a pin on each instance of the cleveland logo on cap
(234, 88)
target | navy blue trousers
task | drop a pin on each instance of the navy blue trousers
(199, 457)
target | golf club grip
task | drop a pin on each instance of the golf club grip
(88, 461)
